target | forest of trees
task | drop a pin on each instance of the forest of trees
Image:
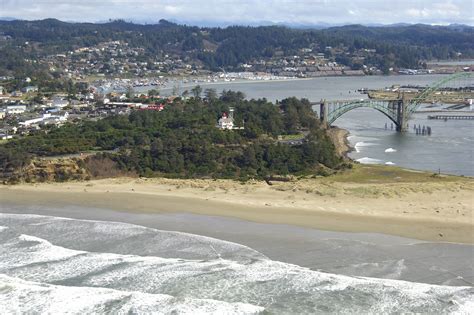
(183, 140)
(401, 46)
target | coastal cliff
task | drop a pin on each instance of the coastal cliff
(62, 169)
(338, 137)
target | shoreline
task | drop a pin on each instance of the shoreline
(385, 256)
(437, 210)
(339, 137)
(290, 79)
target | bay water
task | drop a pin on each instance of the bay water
(449, 149)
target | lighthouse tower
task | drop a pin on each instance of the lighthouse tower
(227, 121)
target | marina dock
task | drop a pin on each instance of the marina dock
(451, 117)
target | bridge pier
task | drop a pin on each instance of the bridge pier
(323, 113)
(401, 114)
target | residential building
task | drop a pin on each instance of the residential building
(29, 89)
(59, 103)
(17, 94)
(16, 109)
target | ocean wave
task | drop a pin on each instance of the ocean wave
(389, 269)
(389, 163)
(390, 150)
(367, 160)
(362, 144)
(144, 279)
(124, 238)
(19, 296)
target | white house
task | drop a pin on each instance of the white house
(33, 121)
(46, 119)
(60, 103)
(16, 109)
(226, 122)
(55, 119)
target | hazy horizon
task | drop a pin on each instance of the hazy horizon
(246, 12)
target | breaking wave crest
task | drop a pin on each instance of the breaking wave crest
(367, 160)
(50, 264)
(362, 144)
(24, 296)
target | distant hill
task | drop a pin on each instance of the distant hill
(396, 45)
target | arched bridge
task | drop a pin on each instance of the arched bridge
(398, 110)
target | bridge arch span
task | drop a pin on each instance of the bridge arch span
(397, 110)
(415, 103)
(382, 107)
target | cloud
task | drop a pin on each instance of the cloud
(438, 11)
(247, 11)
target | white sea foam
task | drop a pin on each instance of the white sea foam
(19, 296)
(367, 160)
(390, 150)
(389, 163)
(63, 275)
(390, 269)
(39, 250)
(365, 144)
(362, 144)
(138, 239)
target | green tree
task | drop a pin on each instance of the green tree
(153, 93)
(130, 92)
(210, 94)
(197, 90)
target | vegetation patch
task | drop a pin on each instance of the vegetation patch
(183, 141)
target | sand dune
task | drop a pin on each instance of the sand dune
(441, 211)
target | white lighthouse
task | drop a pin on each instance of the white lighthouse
(227, 121)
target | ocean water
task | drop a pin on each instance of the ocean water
(58, 265)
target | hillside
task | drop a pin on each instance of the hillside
(230, 47)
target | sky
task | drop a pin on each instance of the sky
(246, 12)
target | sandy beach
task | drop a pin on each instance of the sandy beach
(411, 204)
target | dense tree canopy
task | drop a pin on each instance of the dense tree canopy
(183, 140)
